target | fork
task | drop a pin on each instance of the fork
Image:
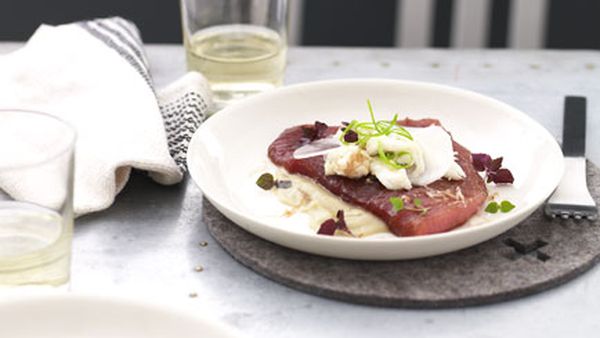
(572, 197)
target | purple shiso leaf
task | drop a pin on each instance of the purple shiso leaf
(351, 136)
(330, 226)
(493, 169)
(495, 165)
(327, 228)
(502, 176)
(315, 132)
(341, 223)
(481, 161)
(321, 130)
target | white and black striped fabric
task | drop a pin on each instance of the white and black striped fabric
(183, 109)
(124, 37)
(95, 76)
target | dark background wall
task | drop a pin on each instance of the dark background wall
(570, 24)
(157, 19)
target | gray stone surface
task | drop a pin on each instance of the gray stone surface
(146, 244)
(537, 254)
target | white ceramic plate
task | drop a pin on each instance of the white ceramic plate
(229, 151)
(87, 316)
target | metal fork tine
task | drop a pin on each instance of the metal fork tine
(572, 198)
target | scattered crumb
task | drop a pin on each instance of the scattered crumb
(590, 66)
(534, 66)
(435, 65)
(487, 65)
(199, 268)
(335, 63)
(385, 64)
(203, 243)
(192, 295)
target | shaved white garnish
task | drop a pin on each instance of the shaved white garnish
(392, 179)
(397, 144)
(438, 155)
(317, 148)
(455, 172)
(400, 160)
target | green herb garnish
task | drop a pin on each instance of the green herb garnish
(504, 207)
(360, 133)
(369, 129)
(266, 181)
(492, 208)
(397, 203)
(375, 124)
(417, 202)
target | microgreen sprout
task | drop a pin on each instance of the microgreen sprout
(266, 181)
(360, 133)
(504, 207)
(492, 208)
(397, 203)
(375, 124)
(392, 159)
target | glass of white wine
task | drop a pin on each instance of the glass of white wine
(36, 192)
(238, 45)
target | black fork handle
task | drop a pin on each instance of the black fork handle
(573, 142)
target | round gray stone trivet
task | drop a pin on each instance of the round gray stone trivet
(551, 253)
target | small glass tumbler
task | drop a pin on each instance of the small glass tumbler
(238, 45)
(36, 198)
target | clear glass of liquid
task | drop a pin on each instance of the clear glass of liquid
(36, 192)
(238, 45)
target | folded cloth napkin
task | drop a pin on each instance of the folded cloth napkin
(95, 75)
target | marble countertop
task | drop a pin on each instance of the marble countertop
(147, 244)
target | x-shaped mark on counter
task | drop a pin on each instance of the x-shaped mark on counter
(523, 249)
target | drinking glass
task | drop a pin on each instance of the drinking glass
(36, 198)
(238, 45)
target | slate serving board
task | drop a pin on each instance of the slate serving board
(536, 255)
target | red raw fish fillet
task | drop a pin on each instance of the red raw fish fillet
(448, 203)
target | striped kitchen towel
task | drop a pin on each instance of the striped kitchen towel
(95, 75)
